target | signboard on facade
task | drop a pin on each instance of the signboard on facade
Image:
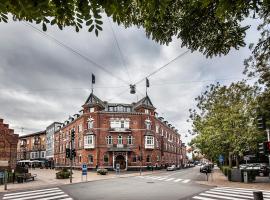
(84, 169)
(3, 163)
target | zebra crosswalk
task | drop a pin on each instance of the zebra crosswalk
(225, 193)
(42, 194)
(166, 179)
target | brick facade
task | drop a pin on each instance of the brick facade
(8, 144)
(32, 146)
(106, 134)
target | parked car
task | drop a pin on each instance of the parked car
(171, 168)
(206, 168)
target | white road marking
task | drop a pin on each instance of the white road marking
(32, 194)
(44, 194)
(220, 193)
(177, 180)
(202, 198)
(169, 179)
(186, 181)
(30, 191)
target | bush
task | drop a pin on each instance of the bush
(63, 174)
(102, 171)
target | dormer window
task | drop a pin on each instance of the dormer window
(146, 111)
(120, 108)
(91, 110)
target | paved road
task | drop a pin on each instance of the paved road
(175, 185)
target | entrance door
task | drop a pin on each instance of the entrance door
(121, 160)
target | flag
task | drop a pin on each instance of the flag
(147, 82)
(93, 79)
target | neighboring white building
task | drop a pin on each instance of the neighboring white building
(50, 130)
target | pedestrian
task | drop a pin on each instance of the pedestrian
(96, 167)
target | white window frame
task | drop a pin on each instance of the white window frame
(119, 139)
(130, 139)
(149, 142)
(89, 141)
(109, 140)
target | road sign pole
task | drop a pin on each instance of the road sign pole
(5, 179)
(71, 160)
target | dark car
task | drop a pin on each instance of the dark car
(207, 168)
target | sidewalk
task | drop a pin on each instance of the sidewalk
(46, 178)
(218, 179)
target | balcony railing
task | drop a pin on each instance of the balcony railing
(149, 146)
(89, 146)
(122, 130)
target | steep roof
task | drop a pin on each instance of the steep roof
(145, 102)
(94, 100)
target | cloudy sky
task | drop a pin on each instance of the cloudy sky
(42, 82)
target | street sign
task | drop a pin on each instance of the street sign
(221, 158)
(246, 158)
(84, 169)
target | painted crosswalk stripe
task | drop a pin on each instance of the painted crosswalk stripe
(248, 193)
(218, 196)
(57, 197)
(224, 193)
(186, 181)
(241, 190)
(230, 195)
(31, 194)
(177, 180)
(202, 198)
(11, 194)
(161, 179)
(169, 179)
(44, 194)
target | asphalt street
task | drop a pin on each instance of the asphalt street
(174, 185)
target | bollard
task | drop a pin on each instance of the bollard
(258, 195)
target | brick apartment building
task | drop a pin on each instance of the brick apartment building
(32, 146)
(8, 145)
(110, 133)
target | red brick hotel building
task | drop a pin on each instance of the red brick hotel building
(110, 133)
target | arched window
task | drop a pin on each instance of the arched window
(120, 139)
(109, 139)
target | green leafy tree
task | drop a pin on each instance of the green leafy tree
(212, 27)
(225, 121)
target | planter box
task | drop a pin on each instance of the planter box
(236, 175)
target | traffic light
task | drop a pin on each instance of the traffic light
(73, 153)
(261, 122)
(72, 134)
(264, 147)
(67, 152)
